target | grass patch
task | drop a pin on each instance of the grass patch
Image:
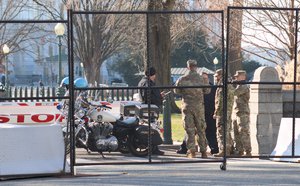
(176, 126)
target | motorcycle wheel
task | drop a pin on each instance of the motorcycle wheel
(81, 138)
(136, 149)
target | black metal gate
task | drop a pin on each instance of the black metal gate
(252, 12)
(150, 160)
(225, 66)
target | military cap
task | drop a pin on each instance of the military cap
(191, 62)
(219, 72)
(240, 72)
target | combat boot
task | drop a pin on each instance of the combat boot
(181, 151)
(203, 155)
(248, 153)
(232, 150)
(241, 153)
(220, 154)
(191, 154)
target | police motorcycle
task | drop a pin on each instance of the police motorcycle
(98, 130)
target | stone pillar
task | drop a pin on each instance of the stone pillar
(265, 110)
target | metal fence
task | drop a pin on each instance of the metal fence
(126, 93)
(146, 14)
(45, 93)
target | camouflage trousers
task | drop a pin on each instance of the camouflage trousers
(220, 134)
(194, 123)
(241, 129)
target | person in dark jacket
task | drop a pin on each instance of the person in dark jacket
(211, 130)
(155, 96)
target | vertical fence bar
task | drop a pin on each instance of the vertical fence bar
(21, 92)
(225, 81)
(123, 92)
(16, 92)
(9, 92)
(53, 92)
(127, 94)
(112, 94)
(42, 92)
(118, 94)
(37, 93)
(48, 93)
(71, 89)
(148, 87)
(295, 83)
(102, 94)
(26, 93)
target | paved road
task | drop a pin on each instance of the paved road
(239, 172)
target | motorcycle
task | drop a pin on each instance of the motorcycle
(145, 115)
(98, 130)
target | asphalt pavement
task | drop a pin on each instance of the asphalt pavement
(239, 172)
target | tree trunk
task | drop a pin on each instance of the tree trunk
(160, 40)
(92, 73)
(160, 44)
(235, 39)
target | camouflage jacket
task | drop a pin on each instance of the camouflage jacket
(241, 100)
(219, 100)
(192, 96)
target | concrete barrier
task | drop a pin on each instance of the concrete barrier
(284, 140)
(34, 149)
(30, 142)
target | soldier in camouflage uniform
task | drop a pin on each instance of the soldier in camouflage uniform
(241, 114)
(193, 108)
(218, 115)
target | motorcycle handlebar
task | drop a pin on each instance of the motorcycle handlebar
(101, 106)
(105, 106)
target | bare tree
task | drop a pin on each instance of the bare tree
(16, 36)
(272, 31)
(270, 34)
(97, 36)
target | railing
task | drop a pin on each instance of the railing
(45, 91)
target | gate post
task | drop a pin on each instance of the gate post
(265, 110)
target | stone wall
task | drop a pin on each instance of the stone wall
(287, 107)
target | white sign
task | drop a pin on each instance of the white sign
(29, 113)
(41, 112)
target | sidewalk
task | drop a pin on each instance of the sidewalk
(239, 172)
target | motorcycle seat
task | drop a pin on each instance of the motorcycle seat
(128, 122)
